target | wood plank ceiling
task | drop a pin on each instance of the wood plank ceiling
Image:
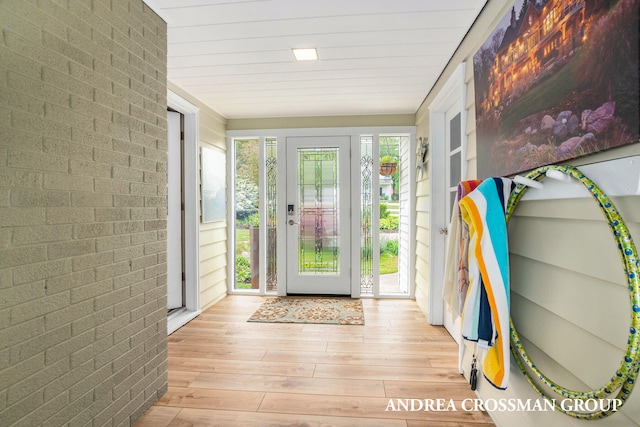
(375, 56)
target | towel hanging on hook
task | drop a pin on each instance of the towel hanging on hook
(456, 272)
(485, 316)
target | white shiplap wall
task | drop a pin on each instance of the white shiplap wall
(569, 297)
(423, 212)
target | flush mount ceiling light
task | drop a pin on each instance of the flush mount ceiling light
(310, 54)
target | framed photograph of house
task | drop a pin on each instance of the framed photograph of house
(214, 184)
(557, 79)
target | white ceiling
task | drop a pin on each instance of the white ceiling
(376, 56)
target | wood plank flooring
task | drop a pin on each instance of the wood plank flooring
(225, 371)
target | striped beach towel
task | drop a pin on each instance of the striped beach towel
(485, 315)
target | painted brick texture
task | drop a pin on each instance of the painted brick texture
(82, 211)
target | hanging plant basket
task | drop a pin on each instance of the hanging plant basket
(388, 168)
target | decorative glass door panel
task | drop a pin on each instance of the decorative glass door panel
(318, 185)
(318, 232)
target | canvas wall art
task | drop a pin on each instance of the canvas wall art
(557, 79)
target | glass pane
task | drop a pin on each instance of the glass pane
(452, 201)
(247, 254)
(455, 132)
(272, 214)
(366, 224)
(455, 169)
(319, 210)
(389, 181)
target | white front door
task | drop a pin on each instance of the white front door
(318, 217)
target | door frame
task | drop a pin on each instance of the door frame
(281, 134)
(191, 212)
(175, 241)
(453, 92)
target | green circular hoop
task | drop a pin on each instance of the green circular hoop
(625, 376)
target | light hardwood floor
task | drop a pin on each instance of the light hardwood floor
(225, 371)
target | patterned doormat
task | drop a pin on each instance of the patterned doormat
(335, 311)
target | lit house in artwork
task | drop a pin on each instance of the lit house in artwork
(546, 32)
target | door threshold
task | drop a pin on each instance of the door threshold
(175, 311)
(320, 295)
(180, 317)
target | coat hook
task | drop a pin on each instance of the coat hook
(557, 175)
(528, 182)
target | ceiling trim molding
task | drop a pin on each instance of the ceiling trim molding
(335, 131)
(154, 6)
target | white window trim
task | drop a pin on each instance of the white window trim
(191, 212)
(454, 88)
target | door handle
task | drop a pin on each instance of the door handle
(292, 222)
(444, 230)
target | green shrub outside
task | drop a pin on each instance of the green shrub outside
(384, 211)
(243, 270)
(390, 247)
(389, 223)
